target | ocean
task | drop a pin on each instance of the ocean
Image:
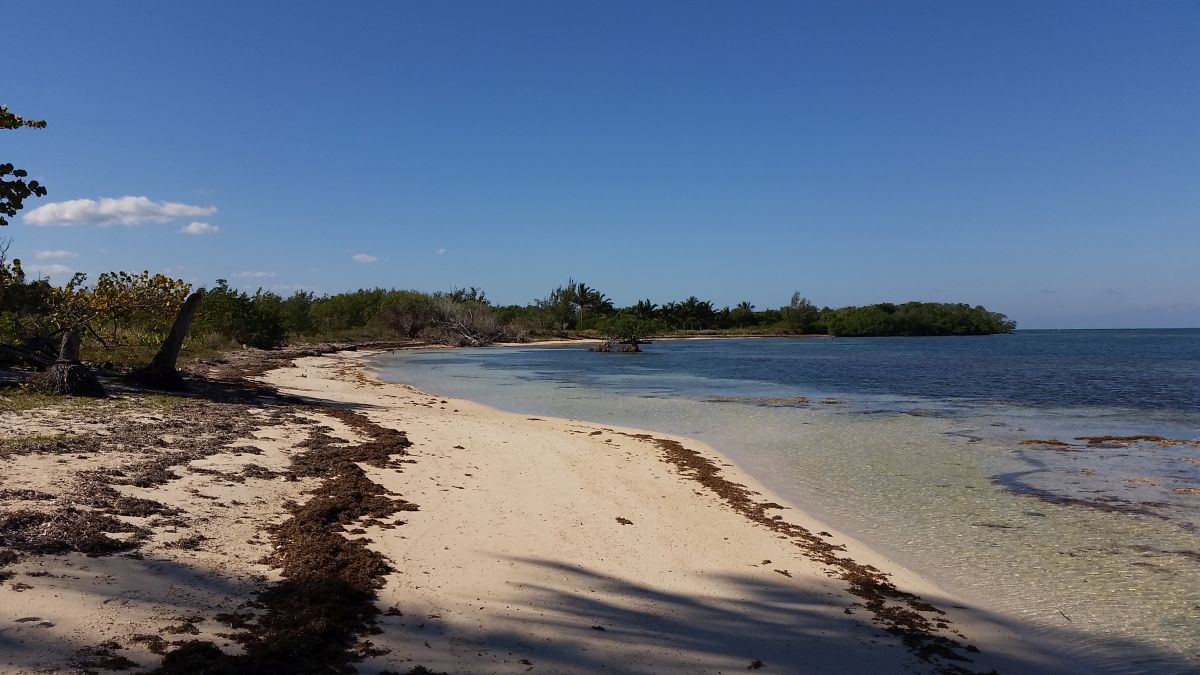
(1004, 467)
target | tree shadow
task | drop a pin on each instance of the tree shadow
(160, 599)
(572, 620)
(584, 621)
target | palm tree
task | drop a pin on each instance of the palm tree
(743, 314)
(705, 313)
(590, 299)
(670, 312)
(582, 297)
(602, 305)
(645, 308)
(695, 312)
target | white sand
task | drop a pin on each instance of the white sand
(516, 556)
(516, 561)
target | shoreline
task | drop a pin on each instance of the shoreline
(978, 625)
(466, 539)
(670, 338)
(1056, 586)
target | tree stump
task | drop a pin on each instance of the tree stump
(67, 376)
(162, 372)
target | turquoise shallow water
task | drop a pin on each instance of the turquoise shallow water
(916, 447)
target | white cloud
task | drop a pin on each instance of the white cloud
(126, 210)
(440, 251)
(363, 258)
(196, 227)
(50, 270)
(254, 275)
(54, 255)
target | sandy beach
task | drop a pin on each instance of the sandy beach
(369, 526)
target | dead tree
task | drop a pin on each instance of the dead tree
(162, 372)
(465, 324)
(67, 375)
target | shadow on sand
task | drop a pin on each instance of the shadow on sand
(608, 624)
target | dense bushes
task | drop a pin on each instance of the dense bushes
(406, 313)
(800, 317)
(253, 320)
(120, 316)
(24, 305)
(266, 320)
(630, 328)
(914, 318)
(346, 311)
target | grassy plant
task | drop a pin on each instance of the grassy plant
(16, 399)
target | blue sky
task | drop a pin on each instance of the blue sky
(1040, 158)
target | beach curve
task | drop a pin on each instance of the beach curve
(586, 547)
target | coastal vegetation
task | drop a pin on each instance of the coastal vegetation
(124, 318)
(914, 318)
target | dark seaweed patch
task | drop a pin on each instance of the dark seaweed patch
(101, 657)
(898, 612)
(313, 620)
(66, 530)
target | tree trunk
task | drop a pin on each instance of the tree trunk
(69, 351)
(162, 372)
(67, 375)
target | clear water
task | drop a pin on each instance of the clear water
(914, 445)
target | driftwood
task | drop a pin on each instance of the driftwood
(162, 372)
(67, 375)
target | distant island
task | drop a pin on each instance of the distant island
(913, 319)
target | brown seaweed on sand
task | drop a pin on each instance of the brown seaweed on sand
(1130, 440)
(66, 530)
(313, 620)
(897, 611)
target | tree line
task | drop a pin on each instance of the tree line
(575, 305)
(122, 315)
